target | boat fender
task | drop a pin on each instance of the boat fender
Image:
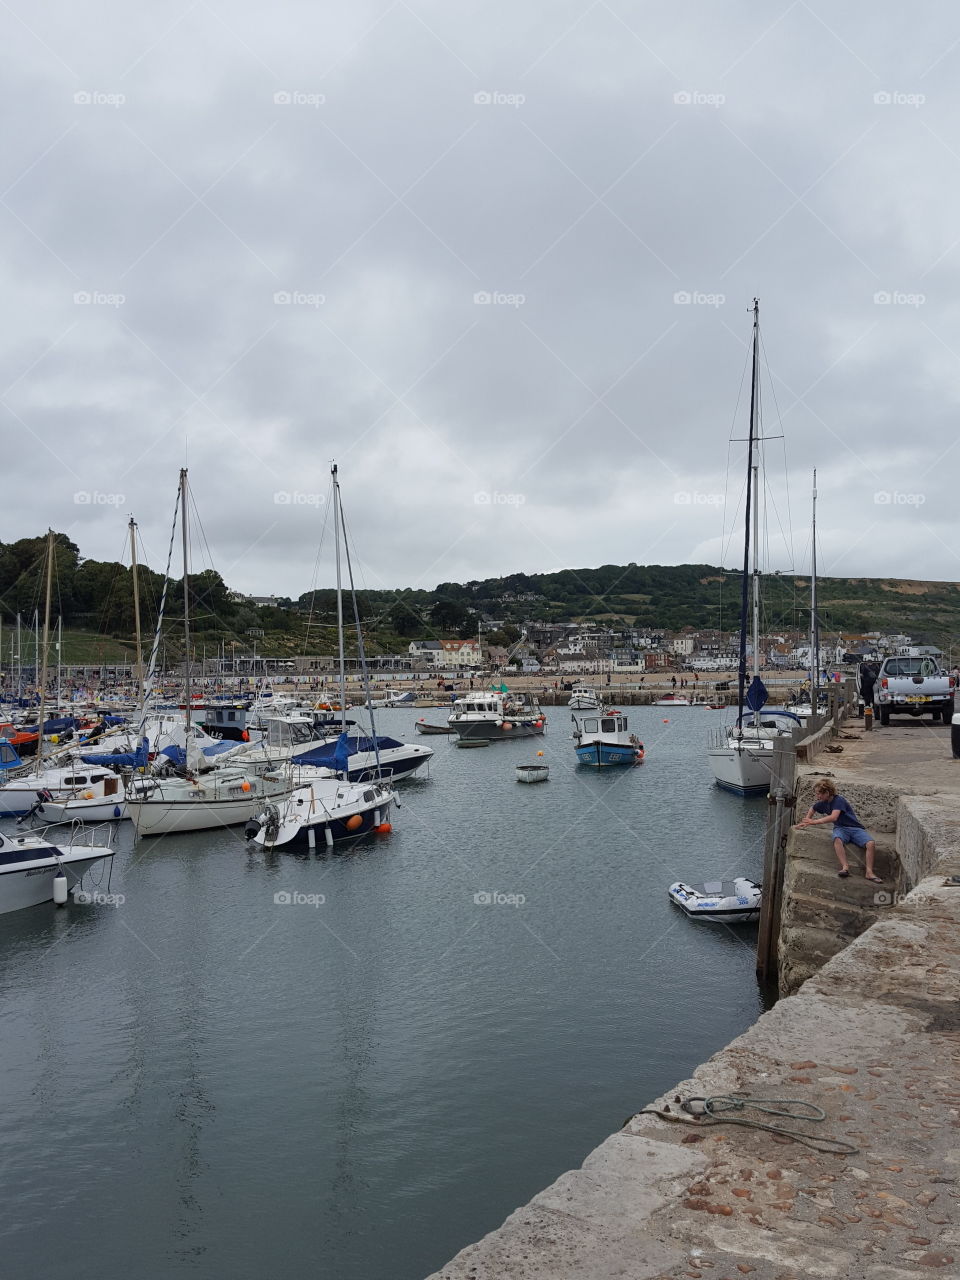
(60, 889)
(116, 811)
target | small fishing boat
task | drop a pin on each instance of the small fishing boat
(32, 870)
(584, 698)
(722, 901)
(533, 772)
(497, 714)
(602, 737)
(672, 700)
(424, 726)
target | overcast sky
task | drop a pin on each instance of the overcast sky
(260, 237)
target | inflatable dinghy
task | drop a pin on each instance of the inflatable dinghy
(724, 901)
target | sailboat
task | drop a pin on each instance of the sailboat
(741, 754)
(207, 795)
(326, 804)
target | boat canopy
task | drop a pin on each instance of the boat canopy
(121, 759)
(335, 755)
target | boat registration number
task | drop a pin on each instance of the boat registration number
(918, 698)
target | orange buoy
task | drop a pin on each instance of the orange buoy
(506, 726)
(244, 737)
(244, 785)
(539, 753)
(666, 722)
(384, 828)
(353, 823)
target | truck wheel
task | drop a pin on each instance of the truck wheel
(884, 716)
(947, 711)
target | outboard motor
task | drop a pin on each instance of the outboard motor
(41, 800)
(251, 828)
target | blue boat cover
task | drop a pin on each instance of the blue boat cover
(59, 725)
(9, 758)
(122, 759)
(179, 756)
(336, 755)
(757, 694)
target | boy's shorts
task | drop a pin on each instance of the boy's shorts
(852, 835)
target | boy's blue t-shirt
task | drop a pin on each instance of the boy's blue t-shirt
(847, 817)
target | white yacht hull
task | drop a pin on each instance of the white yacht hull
(104, 809)
(159, 815)
(744, 770)
(30, 883)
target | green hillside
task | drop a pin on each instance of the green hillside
(95, 601)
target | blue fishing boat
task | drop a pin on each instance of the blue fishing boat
(601, 737)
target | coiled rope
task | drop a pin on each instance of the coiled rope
(711, 1111)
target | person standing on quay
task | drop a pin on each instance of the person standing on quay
(847, 827)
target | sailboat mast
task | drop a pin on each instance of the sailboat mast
(748, 516)
(46, 645)
(814, 644)
(136, 606)
(184, 520)
(337, 516)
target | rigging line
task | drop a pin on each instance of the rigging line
(733, 424)
(150, 679)
(360, 647)
(315, 576)
(776, 406)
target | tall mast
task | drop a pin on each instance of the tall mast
(336, 539)
(184, 521)
(46, 643)
(814, 641)
(749, 512)
(136, 605)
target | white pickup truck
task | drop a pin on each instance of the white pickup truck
(913, 687)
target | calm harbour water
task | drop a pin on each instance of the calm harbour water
(203, 1082)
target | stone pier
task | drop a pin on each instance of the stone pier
(872, 1037)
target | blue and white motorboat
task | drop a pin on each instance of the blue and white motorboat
(601, 737)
